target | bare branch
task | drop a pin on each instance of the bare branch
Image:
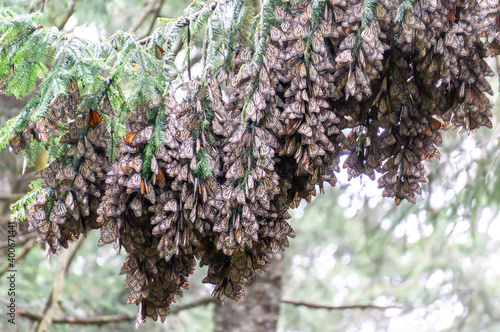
(140, 20)
(181, 22)
(155, 16)
(340, 307)
(70, 12)
(53, 303)
(101, 320)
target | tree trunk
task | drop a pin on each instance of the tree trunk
(258, 310)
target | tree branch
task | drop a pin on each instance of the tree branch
(53, 303)
(340, 307)
(70, 12)
(155, 16)
(181, 22)
(140, 20)
(101, 320)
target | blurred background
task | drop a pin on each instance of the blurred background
(358, 262)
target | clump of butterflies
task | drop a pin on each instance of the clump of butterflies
(245, 146)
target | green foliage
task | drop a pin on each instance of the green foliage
(17, 208)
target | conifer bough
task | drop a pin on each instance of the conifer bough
(176, 168)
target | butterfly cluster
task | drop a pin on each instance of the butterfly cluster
(377, 81)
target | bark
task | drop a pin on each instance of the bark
(258, 310)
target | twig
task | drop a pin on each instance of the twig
(155, 16)
(148, 10)
(26, 249)
(340, 307)
(101, 320)
(70, 12)
(181, 22)
(53, 303)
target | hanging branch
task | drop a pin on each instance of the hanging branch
(53, 303)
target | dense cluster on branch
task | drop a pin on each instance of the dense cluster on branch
(209, 169)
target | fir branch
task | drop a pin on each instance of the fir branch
(318, 8)
(367, 16)
(406, 6)
(17, 208)
(260, 42)
(156, 140)
(239, 31)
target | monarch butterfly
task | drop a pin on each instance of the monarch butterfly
(149, 192)
(159, 52)
(135, 182)
(72, 87)
(239, 194)
(108, 233)
(279, 13)
(67, 172)
(69, 201)
(16, 144)
(306, 130)
(236, 170)
(243, 56)
(318, 43)
(97, 137)
(55, 115)
(59, 209)
(39, 214)
(93, 118)
(136, 206)
(79, 182)
(277, 34)
(186, 149)
(128, 138)
(86, 170)
(106, 107)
